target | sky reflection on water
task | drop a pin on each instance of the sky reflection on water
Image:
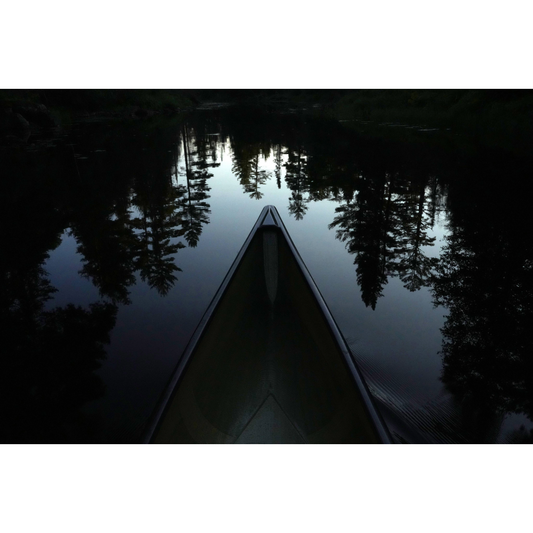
(180, 201)
(402, 334)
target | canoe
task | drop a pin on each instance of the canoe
(267, 363)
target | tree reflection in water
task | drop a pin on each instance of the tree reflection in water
(386, 211)
(52, 375)
(140, 199)
(48, 356)
(385, 225)
(297, 180)
(484, 278)
(126, 216)
(49, 359)
(133, 224)
(193, 205)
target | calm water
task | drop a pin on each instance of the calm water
(116, 237)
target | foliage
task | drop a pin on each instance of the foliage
(483, 279)
(494, 117)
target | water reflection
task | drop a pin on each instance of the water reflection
(117, 196)
(194, 207)
(385, 225)
(131, 223)
(297, 178)
(48, 357)
(484, 279)
(135, 198)
(246, 158)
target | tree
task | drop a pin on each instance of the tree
(415, 268)
(257, 179)
(194, 209)
(296, 179)
(157, 229)
(246, 168)
(483, 279)
(369, 225)
(48, 360)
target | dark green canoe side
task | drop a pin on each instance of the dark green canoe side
(267, 364)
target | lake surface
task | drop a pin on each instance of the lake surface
(116, 237)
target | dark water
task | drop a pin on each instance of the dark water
(116, 236)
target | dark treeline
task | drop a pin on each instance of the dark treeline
(99, 100)
(498, 117)
(270, 97)
(379, 103)
(441, 103)
(25, 114)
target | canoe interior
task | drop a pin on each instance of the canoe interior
(267, 368)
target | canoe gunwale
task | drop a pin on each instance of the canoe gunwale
(191, 345)
(371, 409)
(268, 219)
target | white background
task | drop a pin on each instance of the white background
(277, 44)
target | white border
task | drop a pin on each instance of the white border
(278, 44)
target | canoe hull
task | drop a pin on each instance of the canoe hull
(267, 363)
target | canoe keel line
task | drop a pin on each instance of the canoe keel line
(267, 363)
